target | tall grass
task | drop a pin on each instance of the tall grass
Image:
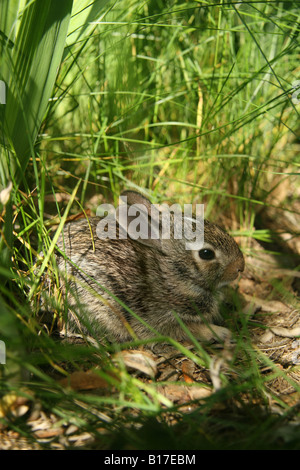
(191, 101)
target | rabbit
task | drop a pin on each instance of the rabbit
(126, 288)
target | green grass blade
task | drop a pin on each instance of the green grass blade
(54, 240)
(29, 69)
(84, 13)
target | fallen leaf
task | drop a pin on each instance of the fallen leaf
(180, 393)
(5, 194)
(266, 337)
(188, 368)
(270, 306)
(89, 380)
(215, 369)
(47, 433)
(143, 361)
(14, 404)
(286, 332)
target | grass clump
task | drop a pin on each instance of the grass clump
(193, 102)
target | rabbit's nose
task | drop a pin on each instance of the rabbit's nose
(234, 269)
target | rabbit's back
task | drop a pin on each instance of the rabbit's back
(102, 278)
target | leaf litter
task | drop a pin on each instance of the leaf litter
(274, 331)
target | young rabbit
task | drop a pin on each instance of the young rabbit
(112, 282)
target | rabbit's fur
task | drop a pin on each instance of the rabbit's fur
(153, 279)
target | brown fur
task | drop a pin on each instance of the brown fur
(153, 280)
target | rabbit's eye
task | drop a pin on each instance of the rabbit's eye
(206, 254)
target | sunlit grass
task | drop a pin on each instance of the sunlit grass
(193, 104)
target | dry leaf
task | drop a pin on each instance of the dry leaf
(48, 433)
(143, 361)
(14, 404)
(196, 393)
(286, 332)
(188, 368)
(89, 380)
(215, 369)
(79, 215)
(178, 393)
(5, 194)
(270, 306)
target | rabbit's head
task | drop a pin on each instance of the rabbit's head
(212, 261)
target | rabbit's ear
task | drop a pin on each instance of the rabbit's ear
(139, 219)
(134, 197)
